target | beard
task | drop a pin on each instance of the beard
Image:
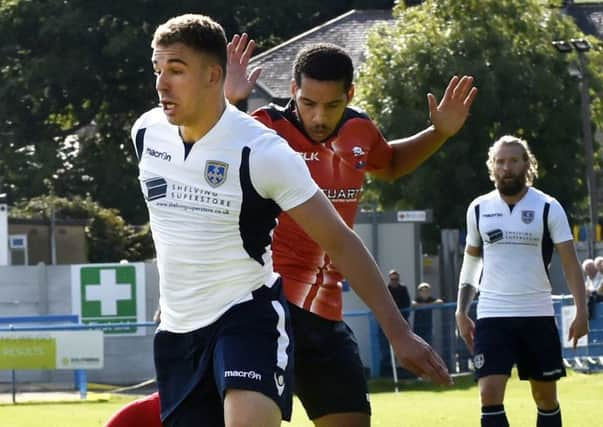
(511, 186)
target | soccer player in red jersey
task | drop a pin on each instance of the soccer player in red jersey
(340, 144)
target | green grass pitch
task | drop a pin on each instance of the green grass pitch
(415, 405)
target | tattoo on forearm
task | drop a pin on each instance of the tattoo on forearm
(465, 298)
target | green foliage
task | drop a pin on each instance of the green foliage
(108, 237)
(524, 89)
(75, 74)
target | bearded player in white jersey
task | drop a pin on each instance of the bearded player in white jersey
(514, 229)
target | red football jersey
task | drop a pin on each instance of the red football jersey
(338, 166)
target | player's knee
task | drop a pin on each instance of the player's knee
(243, 408)
(491, 395)
(545, 402)
(252, 418)
(350, 419)
(545, 397)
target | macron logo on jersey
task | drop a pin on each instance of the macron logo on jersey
(253, 375)
(161, 155)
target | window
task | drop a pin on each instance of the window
(17, 246)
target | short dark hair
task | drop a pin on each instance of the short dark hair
(196, 31)
(325, 62)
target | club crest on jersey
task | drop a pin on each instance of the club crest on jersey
(527, 217)
(215, 172)
(358, 153)
(478, 360)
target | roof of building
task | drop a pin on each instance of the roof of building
(589, 17)
(349, 31)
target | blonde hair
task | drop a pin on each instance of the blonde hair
(532, 172)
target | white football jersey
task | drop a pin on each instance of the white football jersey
(517, 246)
(212, 211)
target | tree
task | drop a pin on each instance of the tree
(74, 75)
(524, 89)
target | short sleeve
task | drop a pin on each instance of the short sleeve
(135, 128)
(473, 237)
(280, 174)
(559, 228)
(380, 156)
(362, 132)
(137, 138)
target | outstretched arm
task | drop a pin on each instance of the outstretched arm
(238, 85)
(448, 117)
(319, 219)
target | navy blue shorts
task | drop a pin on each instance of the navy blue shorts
(249, 347)
(329, 376)
(530, 342)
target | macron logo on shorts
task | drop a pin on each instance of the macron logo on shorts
(252, 375)
(550, 373)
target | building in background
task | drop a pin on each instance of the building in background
(349, 31)
(29, 242)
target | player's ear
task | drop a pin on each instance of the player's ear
(293, 88)
(216, 74)
(351, 92)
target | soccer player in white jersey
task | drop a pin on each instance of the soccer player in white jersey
(214, 180)
(514, 228)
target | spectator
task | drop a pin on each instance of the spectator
(592, 280)
(399, 292)
(402, 299)
(598, 284)
(423, 322)
(592, 277)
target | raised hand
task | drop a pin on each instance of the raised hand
(450, 114)
(238, 84)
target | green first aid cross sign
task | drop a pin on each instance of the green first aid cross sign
(109, 293)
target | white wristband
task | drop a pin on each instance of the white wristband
(471, 270)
